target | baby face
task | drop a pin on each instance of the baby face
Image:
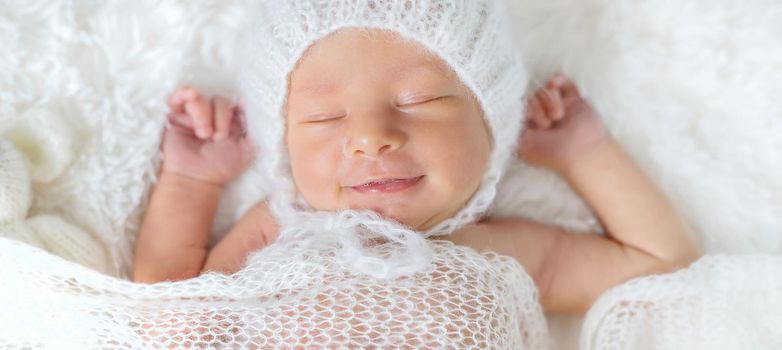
(376, 122)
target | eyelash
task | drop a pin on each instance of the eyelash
(321, 119)
(314, 119)
(425, 99)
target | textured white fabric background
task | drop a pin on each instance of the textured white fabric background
(691, 89)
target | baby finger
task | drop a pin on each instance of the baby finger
(177, 100)
(180, 119)
(552, 101)
(536, 114)
(224, 114)
(201, 112)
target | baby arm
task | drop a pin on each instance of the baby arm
(644, 233)
(203, 148)
(255, 230)
(172, 243)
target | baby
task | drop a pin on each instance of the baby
(394, 130)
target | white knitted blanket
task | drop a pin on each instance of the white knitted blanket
(691, 89)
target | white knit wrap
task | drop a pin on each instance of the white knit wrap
(471, 36)
(15, 191)
(49, 232)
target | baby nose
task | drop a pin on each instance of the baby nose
(373, 138)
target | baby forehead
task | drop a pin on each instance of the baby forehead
(420, 74)
(364, 52)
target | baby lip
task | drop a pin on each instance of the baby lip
(388, 185)
(385, 180)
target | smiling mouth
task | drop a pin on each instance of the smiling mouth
(388, 185)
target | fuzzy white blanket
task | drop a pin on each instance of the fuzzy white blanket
(690, 88)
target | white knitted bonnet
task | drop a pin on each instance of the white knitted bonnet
(471, 36)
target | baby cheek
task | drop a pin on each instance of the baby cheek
(315, 176)
(456, 174)
(442, 172)
(461, 170)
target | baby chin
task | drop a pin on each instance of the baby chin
(403, 200)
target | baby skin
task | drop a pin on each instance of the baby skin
(354, 122)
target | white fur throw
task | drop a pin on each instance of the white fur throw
(692, 90)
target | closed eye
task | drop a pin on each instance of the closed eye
(420, 100)
(322, 118)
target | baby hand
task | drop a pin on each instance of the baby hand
(560, 127)
(204, 138)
